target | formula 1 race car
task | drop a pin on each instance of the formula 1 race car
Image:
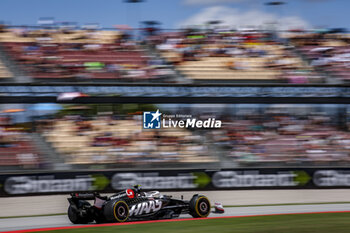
(133, 205)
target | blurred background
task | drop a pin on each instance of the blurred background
(75, 78)
(96, 136)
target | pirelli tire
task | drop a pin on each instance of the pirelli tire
(75, 217)
(199, 206)
(116, 211)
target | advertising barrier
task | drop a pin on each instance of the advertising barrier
(171, 180)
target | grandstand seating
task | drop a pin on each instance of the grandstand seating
(233, 56)
(280, 139)
(208, 56)
(252, 56)
(284, 139)
(214, 68)
(17, 150)
(82, 55)
(4, 72)
(123, 142)
(327, 52)
(22, 35)
(86, 64)
(248, 56)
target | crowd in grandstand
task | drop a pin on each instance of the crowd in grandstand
(235, 55)
(17, 147)
(284, 139)
(82, 55)
(109, 139)
(199, 55)
(117, 141)
(328, 52)
(297, 57)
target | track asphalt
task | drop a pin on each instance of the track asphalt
(12, 224)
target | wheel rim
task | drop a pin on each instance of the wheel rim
(121, 211)
(203, 207)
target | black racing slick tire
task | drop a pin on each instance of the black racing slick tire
(116, 211)
(74, 216)
(199, 206)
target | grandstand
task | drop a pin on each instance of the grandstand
(233, 56)
(4, 72)
(122, 142)
(273, 135)
(328, 52)
(180, 57)
(179, 60)
(17, 149)
(199, 56)
(83, 55)
(276, 137)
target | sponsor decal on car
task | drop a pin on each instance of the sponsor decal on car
(145, 207)
(130, 193)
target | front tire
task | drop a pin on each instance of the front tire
(116, 211)
(199, 206)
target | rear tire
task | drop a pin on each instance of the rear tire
(199, 206)
(116, 211)
(74, 216)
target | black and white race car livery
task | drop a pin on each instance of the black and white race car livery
(133, 205)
